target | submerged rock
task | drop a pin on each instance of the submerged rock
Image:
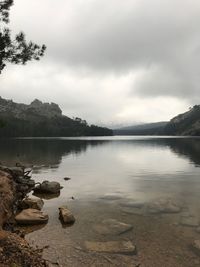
(31, 217)
(66, 215)
(133, 204)
(33, 203)
(112, 227)
(119, 247)
(189, 221)
(163, 205)
(48, 187)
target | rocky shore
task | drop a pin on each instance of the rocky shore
(14, 249)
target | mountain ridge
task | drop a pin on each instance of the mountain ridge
(187, 123)
(142, 129)
(42, 119)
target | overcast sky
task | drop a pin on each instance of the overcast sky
(109, 61)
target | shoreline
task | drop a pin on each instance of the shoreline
(14, 249)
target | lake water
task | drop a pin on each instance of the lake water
(151, 183)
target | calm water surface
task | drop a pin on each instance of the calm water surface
(107, 174)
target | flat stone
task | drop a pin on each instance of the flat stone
(112, 227)
(119, 247)
(66, 215)
(33, 203)
(48, 187)
(163, 205)
(31, 217)
(196, 247)
(189, 221)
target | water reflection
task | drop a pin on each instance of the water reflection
(146, 182)
(47, 196)
(42, 153)
(48, 153)
(186, 147)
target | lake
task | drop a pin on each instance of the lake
(150, 183)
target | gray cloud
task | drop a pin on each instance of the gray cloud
(127, 51)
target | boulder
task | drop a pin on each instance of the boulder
(25, 181)
(22, 188)
(33, 203)
(112, 227)
(48, 187)
(31, 217)
(66, 216)
(16, 171)
(119, 247)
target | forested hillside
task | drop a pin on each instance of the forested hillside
(42, 119)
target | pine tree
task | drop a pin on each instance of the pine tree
(17, 50)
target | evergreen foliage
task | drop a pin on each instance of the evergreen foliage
(17, 50)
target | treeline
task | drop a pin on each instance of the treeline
(49, 127)
(187, 123)
(156, 128)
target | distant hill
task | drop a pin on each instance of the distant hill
(184, 124)
(42, 119)
(156, 128)
(187, 123)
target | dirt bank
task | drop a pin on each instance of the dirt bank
(14, 249)
(7, 197)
